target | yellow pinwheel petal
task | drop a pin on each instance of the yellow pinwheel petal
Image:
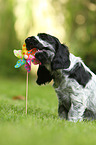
(18, 53)
(24, 49)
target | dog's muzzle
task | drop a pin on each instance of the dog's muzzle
(32, 42)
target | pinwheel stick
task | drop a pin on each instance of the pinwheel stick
(26, 91)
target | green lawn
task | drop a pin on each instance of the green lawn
(41, 126)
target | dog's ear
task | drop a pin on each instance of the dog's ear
(44, 75)
(61, 58)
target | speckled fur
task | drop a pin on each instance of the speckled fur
(75, 102)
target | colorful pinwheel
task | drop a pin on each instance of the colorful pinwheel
(26, 57)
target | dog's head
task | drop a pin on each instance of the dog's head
(53, 55)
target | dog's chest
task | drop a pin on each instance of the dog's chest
(63, 89)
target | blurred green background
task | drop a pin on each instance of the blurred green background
(72, 21)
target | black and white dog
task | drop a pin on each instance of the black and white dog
(74, 83)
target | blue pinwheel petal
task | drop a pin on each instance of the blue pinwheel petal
(20, 62)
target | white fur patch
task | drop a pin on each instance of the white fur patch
(44, 43)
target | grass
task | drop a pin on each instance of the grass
(42, 125)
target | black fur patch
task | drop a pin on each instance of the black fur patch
(44, 75)
(61, 59)
(32, 42)
(42, 56)
(81, 75)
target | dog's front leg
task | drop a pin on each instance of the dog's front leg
(62, 112)
(76, 111)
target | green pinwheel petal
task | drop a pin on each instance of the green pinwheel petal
(18, 53)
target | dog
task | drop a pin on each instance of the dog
(73, 81)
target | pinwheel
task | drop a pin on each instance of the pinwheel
(26, 57)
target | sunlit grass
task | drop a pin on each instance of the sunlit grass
(41, 126)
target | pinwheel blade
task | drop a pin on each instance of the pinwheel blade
(20, 62)
(18, 53)
(27, 67)
(35, 61)
(28, 61)
(33, 51)
(24, 49)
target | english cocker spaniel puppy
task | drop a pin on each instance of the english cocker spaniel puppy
(74, 82)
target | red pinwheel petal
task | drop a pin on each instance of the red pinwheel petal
(35, 61)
